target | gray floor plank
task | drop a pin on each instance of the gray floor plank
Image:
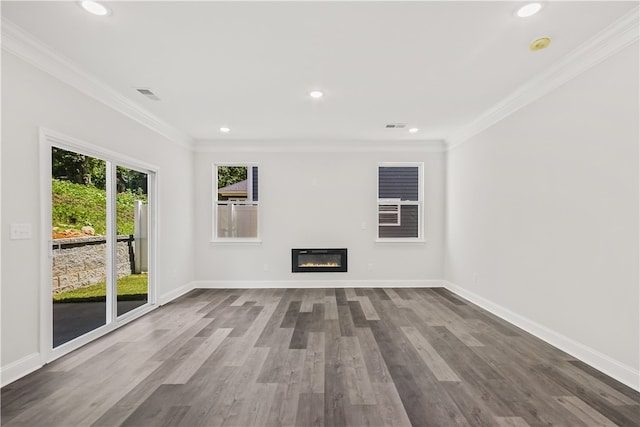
(319, 357)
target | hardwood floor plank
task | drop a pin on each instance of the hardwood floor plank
(472, 403)
(318, 357)
(447, 317)
(605, 379)
(155, 410)
(376, 367)
(369, 311)
(390, 408)
(357, 382)
(393, 296)
(230, 299)
(239, 354)
(306, 322)
(510, 422)
(285, 404)
(215, 299)
(334, 389)
(174, 416)
(310, 410)
(191, 364)
(345, 320)
(431, 358)
(291, 316)
(425, 402)
(610, 394)
(363, 415)
(256, 405)
(274, 368)
(227, 410)
(313, 370)
(98, 395)
(176, 341)
(275, 322)
(311, 297)
(584, 412)
(19, 396)
(350, 294)
(129, 403)
(617, 414)
(357, 315)
(331, 308)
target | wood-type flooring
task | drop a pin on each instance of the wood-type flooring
(319, 357)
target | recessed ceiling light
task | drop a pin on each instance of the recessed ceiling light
(94, 7)
(413, 130)
(529, 9)
(225, 129)
(316, 94)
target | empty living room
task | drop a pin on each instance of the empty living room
(320, 213)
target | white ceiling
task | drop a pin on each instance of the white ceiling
(250, 65)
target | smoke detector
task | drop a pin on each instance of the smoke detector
(539, 44)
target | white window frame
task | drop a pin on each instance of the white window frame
(215, 203)
(400, 203)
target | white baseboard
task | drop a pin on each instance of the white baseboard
(20, 368)
(262, 284)
(171, 295)
(621, 372)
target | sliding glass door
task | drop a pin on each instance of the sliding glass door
(100, 224)
(79, 244)
(132, 213)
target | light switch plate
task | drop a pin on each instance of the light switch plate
(20, 231)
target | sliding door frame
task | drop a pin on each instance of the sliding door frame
(48, 140)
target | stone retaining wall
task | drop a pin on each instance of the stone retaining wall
(80, 261)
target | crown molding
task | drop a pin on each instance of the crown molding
(318, 146)
(614, 38)
(20, 43)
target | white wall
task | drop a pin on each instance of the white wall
(542, 215)
(319, 199)
(31, 98)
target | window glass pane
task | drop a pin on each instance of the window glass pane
(236, 215)
(132, 242)
(398, 183)
(389, 215)
(79, 228)
(254, 176)
(237, 220)
(232, 183)
(408, 224)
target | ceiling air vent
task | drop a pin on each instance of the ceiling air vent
(395, 125)
(147, 92)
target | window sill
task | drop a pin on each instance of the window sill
(408, 241)
(236, 241)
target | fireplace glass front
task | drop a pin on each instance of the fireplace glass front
(318, 260)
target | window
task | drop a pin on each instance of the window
(236, 202)
(399, 201)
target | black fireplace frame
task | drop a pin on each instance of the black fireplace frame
(295, 253)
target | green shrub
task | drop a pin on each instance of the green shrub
(77, 205)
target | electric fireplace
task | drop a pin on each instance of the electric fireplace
(319, 260)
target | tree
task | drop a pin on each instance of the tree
(89, 171)
(228, 175)
(77, 168)
(129, 179)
